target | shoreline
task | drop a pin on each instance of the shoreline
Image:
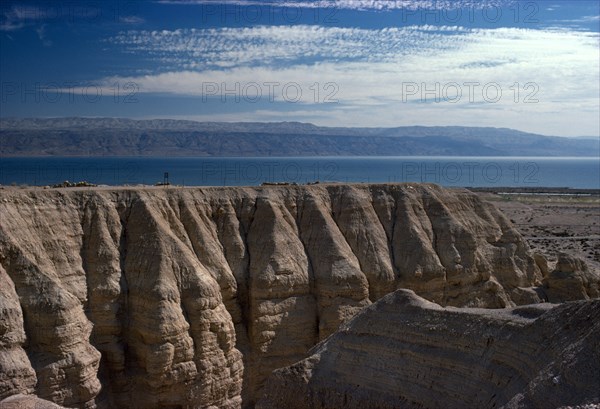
(501, 190)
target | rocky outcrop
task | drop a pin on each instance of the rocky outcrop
(571, 280)
(406, 352)
(16, 373)
(174, 297)
(21, 401)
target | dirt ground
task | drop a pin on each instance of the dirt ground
(553, 223)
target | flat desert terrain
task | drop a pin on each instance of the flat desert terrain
(552, 221)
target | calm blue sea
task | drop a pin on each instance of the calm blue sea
(446, 171)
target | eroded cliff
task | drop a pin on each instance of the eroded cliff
(415, 354)
(174, 297)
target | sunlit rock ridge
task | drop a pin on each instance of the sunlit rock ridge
(171, 297)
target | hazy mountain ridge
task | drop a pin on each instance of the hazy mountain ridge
(161, 137)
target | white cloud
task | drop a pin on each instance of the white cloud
(379, 75)
(355, 4)
(18, 16)
(133, 20)
(9, 25)
(43, 35)
(265, 45)
(583, 19)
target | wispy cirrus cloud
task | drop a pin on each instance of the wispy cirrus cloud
(369, 65)
(442, 49)
(584, 19)
(19, 16)
(133, 20)
(275, 45)
(371, 70)
(43, 35)
(355, 4)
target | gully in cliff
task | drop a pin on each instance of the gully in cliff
(219, 297)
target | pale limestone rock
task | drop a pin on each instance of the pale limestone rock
(542, 263)
(40, 251)
(341, 289)
(191, 297)
(571, 280)
(406, 352)
(20, 401)
(16, 373)
(282, 310)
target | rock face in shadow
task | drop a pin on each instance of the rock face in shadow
(16, 373)
(161, 298)
(406, 352)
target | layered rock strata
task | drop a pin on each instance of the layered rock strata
(406, 352)
(191, 297)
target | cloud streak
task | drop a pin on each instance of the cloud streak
(381, 5)
(16, 17)
(19, 16)
(272, 45)
(371, 70)
(446, 52)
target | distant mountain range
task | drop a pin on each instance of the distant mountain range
(164, 137)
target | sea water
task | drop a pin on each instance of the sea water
(203, 171)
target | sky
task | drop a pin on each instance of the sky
(527, 65)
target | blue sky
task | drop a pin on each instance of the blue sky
(528, 65)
